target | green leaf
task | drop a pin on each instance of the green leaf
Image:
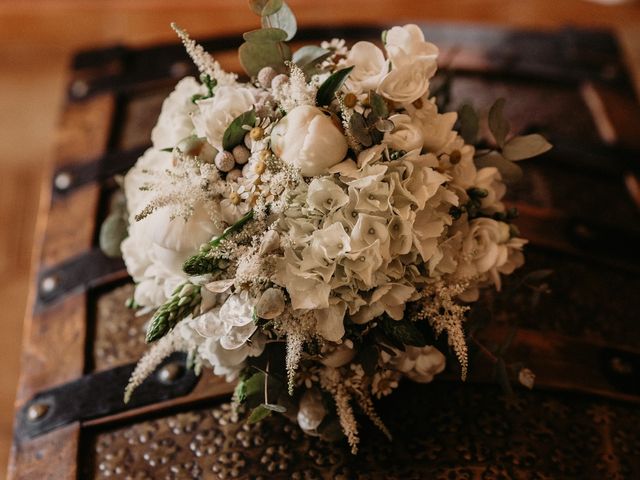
(331, 85)
(498, 125)
(379, 107)
(112, 232)
(254, 385)
(255, 56)
(274, 407)
(308, 57)
(525, 146)
(469, 123)
(360, 130)
(265, 7)
(259, 413)
(284, 19)
(403, 332)
(510, 171)
(265, 35)
(234, 134)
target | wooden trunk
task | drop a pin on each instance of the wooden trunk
(580, 208)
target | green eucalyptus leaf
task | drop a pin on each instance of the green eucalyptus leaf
(360, 130)
(258, 413)
(274, 407)
(469, 123)
(331, 85)
(265, 35)
(235, 132)
(112, 232)
(255, 56)
(384, 125)
(308, 57)
(498, 125)
(525, 146)
(265, 7)
(379, 107)
(284, 19)
(254, 385)
(510, 171)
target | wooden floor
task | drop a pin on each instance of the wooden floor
(37, 38)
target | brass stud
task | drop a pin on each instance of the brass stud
(79, 88)
(63, 180)
(49, 284)
(36, 411)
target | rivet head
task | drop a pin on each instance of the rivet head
(37, 411)
(49, 284)
(170, 372)
(63, 180)
(79, 88)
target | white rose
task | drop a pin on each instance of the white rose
(437, 129)
(174, 122)
(229, 362)
(214, 115)
(419, 364)
(405, 135)
(408, 82)
(309, 140)
(490, 179)
(370, 67)
(405, 44)
(488, 250)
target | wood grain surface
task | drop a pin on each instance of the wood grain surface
(39, 36)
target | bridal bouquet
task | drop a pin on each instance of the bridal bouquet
(309, 232)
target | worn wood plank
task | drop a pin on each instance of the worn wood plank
(54, 340)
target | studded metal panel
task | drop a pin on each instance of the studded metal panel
(443, 431)
(119, 332)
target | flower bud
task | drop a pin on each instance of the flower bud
(241, 154)
(265, 76)
(224, 161)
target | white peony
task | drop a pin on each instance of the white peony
(405, 135)
(215, 114)
(138, 176)
(408, 83)
(370, 67)
(309, 140)
(174, 122)
(178, 234)
(406, 44)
